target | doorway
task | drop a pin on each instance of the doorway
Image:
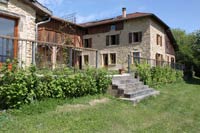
(105, 60)
(159, 59)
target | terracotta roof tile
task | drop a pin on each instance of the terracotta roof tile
(115, 19)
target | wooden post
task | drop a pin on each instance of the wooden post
(129, 63)
(97, 58)
(70, 57)
(54, 55)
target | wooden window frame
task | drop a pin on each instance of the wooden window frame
(116, 39)
(89, 43)
(132, 38)
(115, 60)
(159, 40)
(113, 27)
(84, 57)
(15, 41)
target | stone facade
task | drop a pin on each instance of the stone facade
(26, 26)
(166, 49)
(26, 15)
(147, 47)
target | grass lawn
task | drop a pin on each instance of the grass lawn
(177, 109)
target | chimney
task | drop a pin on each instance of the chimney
(124, 12)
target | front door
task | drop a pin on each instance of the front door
(105, 60)
(159, 59)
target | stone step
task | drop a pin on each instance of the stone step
(122, 81)
(130, 90)
(130, 85)
(122, 77)
(138, 93)
(141, 97)
(128, 81)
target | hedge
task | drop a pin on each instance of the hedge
(18, 87)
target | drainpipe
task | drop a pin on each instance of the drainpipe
(36, 39)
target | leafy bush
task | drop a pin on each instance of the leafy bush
(158, 75)
(19, 87)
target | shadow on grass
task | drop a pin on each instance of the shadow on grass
(194, 80)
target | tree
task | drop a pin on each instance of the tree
(189, 50)
(196, 49)
(184, 54)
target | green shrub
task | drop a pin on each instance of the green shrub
(19, 87)
(145, 73)
(158, 75)
(16, 88)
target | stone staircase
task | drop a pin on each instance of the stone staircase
(128, 88)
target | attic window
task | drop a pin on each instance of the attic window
(4, 1)
(113, 27)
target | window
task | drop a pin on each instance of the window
(159, 40)
(112, 40)
(86, 31)
(172, 60)
(8, 47)
(113, 58)
(135, 37)
(136, 54)
(105, 60)
(113, 27)
(88, 43)
(136, 57)
(86, 59)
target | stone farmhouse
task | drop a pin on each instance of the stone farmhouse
(141, 35)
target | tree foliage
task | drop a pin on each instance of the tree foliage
(189, 50)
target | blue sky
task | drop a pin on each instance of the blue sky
(184, 14)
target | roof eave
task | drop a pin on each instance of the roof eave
(39, 7)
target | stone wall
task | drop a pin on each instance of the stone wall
(26, 25)
(166, 49)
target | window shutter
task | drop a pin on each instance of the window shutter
(140, 36)
(90, 42)
(107, 40)
(160, 40)
(117, 39)
(157, 39)
(130, 37)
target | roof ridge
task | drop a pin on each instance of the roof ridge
(115, 18)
